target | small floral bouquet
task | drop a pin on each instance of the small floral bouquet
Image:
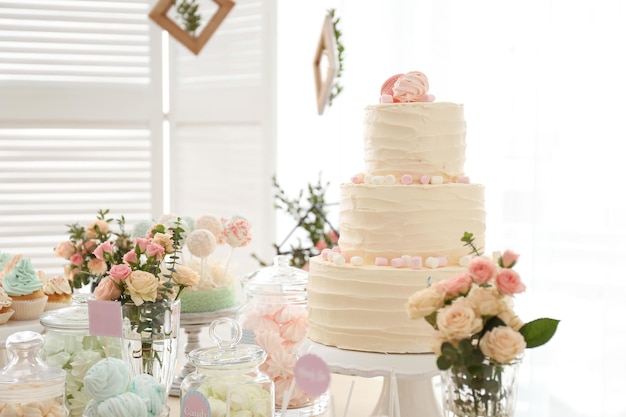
(84, 267)
(148, 272)
(148, 283)
(477, 333)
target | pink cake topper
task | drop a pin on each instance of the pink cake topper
(406, 88)
(312, 375)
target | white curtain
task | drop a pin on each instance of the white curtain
(543, 84)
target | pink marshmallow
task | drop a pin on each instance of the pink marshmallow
(398, 263)
(336, 249)
(443, 261)
(406, 179)
(424, 179)
(416, 262)
(463, 180)
(386, 98)
(325, 253)
(381, 261)
(357, 179)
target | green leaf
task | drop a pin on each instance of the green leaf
(443, 363)
(539, 332)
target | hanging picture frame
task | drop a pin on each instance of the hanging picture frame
(158, 14)
(326, 48)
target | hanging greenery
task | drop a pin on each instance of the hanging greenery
(188, 13)
(337, 87)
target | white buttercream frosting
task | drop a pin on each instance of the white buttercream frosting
(57, 285)
(416, 139)
(390, 221)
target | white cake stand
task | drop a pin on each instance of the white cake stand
(193, 324)
(407, 389)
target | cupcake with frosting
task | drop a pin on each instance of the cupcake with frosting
(58, 290)
(5, 307)
(22, 284)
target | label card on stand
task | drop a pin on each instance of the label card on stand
(312, 375)
(105, 318)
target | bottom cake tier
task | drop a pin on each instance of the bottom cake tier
(363, 307)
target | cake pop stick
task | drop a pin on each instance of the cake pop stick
(287, 397)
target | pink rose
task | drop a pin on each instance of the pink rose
(102, 249)
(481, 269)
(457, 285)
(88, 247)
(76, 259)
(130, 257)
(65, 249)
(107, 290)
(142, 243)
(155, 250)
(509, 282)
(165, 241)
(119, 272)
(321, 245)
(508, 259)
(97, 266)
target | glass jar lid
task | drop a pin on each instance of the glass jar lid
(26, 376)
(72, 319)
(277, 279)
(228, 354)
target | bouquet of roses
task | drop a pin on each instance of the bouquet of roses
(473, 317)
(84, 267)
(478, 337)
(149, 271)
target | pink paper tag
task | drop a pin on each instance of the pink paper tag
(312, 375)
(194, 404)
(105, 318)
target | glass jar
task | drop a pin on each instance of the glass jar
(28, 386)
(276, 313)
(227, 379)
(68, 345)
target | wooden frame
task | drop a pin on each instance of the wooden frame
(326, 45)
(195, 44)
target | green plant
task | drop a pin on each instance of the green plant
(311, 216)
(188, 13)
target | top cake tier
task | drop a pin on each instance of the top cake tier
(416, 139)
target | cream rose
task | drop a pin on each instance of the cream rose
(101, 225)
(511, 319)
(425, 302)
(502, 344)
(458, 320)
(185, 276)
(142, 286)
(164, 240)
(486, 301)
(65, 249)
(97, 266)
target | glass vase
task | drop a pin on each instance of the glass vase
(150, 339)
(485, 391)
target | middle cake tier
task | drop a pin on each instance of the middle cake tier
(390, 221)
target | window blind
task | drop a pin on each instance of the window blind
(80, 119)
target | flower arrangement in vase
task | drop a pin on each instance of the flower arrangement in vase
(84, 268)
(479, 340)
(148, 282)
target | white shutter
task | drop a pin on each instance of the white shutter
(80, 119)
(222, 140)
